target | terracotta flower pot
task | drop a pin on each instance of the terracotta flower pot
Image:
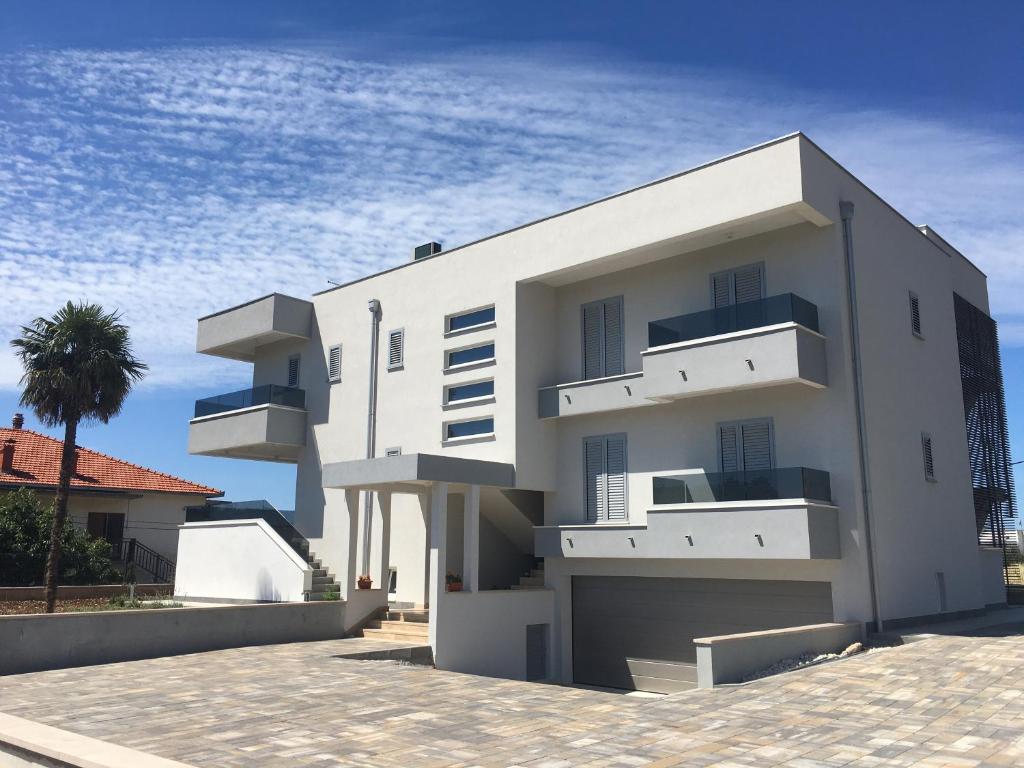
(455, 586)
(364, 582)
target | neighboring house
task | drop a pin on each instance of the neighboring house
(110, 498)
(728, 400)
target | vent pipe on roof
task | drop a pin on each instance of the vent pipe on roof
(7, 459)
(18, 421)
(425, 250)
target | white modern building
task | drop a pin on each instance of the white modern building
(728, 400)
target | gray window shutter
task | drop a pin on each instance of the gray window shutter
(721, 292)
(729, 442)
(915, 314)
(757, 446)
(293, 371)
(748, 284)
(396, 348)
(594, 468)
(615, 464)
(334, 363)
(593, 320)
(929, 459)
(613, 352)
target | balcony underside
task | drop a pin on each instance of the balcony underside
(237, 333)
(265, 432)
(793, 529)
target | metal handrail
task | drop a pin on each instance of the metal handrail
(134, 552)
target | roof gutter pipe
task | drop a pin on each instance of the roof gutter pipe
(371, 431)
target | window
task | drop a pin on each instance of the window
(396, 349)
(602, 338)
(392, 451)
(293, 371)
(467, 320)
(392, 580)
(457, 392)
(604, 470)
(915, 315)
(334, 363)
(476, 427)
(735, 286)
(470, 355)
(746, 445)
(108, 526)
(926, 455)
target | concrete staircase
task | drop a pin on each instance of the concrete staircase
(324, 584)
(403, 625)
(533, 580)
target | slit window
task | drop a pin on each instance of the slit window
(927, 456)
(468, 355)
(334, 363)
(466, 320)
(293, 371)
(915, 315)
(474, 428)
(396, 349)
(471, 391)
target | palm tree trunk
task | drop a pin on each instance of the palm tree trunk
(60, 512)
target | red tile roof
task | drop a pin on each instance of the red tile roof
(37, 463)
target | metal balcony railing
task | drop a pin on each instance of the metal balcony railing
(752, 485)
(268, 394)
(785, 308)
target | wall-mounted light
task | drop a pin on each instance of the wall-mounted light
(569, 542)
(631, 542)
(628, 390)
(689, 539)
(568, 399)
(750, 364)
(683, 374)
(760, 541)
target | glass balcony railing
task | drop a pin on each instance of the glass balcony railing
(752, 485)
(268, 394)
(785, 308)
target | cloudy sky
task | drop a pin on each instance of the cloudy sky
(171, 161)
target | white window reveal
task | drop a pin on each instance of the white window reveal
(927, 456)
(474, 390)
(471, 320)
(455, 430)
(735, 286)
(293, 371)
(334, 363)
(602, 326)
(396, 349)
(746, 445)
(604, 469)
(915, 315)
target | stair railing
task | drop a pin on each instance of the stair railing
(133, 552)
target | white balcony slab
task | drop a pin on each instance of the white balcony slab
(266, 432)
(236, 333)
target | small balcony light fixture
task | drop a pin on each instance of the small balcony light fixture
(689, 539)
(760, 541)
(683, 374)
(631, 542)
(628, 390)
(750, 364)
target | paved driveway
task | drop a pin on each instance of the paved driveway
(946, 701)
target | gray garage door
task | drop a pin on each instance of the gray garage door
(635, 632)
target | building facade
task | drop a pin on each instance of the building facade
(728, 400)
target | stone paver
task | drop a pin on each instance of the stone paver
(944, 701)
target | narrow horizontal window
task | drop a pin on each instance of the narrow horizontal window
(468, 391)
(334, 363)
(469, 428)
(470, 355)
(393, 452)
(466, 320)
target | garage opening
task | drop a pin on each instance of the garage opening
(637, 632)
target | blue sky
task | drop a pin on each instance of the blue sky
(172, 159)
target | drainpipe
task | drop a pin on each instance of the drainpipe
(371, 430)
(846, 215)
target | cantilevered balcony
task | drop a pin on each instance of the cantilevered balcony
(236, 333)
(266, 422)
(770, 342)
(777, 514)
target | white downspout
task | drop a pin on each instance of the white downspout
(846, 215)
(371, 432)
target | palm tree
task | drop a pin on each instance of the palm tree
(79, 366)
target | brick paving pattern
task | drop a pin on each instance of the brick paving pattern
(945, 701)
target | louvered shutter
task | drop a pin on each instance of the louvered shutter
(748, 284)
(721, 293)
(593, 321)
(615, 469)
(594, 469)
(334, 363)
(915, 314)
(757, 448)
(929, 459)
(396, 348)
(729, 443)
(613, 352)
(293, 371)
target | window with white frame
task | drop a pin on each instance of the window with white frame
(396, 349)
(334, 363)
(604, 472)
(468, 391)
(470, 320)
(735, 286)
(478, 354)
(457, 430)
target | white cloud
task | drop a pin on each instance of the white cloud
(173, 182)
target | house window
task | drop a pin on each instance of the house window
(735, 286)
(334, 363)
(396, 349)
(927, 456)
(475, 428)
(392, 581)
(746, 445)
(465, 321)
(915, 315)
(293, 371)
(602, 333)
(108, 526)
(471, 391)
(604, 470)
(477, 354)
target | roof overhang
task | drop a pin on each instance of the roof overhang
(412, 472)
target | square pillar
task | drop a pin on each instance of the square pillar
(438, 553)
(384, 502)
(348, 577)
(471, 540)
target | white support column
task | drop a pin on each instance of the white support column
(471, 540)
(348, 577)
(384, 502)
(438, 553)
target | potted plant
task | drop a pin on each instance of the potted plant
(364, 582)
(453, 581)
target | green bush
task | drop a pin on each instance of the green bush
(25, 541)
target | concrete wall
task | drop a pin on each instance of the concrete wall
(484, 633)
(730, 658)
(239, 560)
(83, 593)
(993, 580)
(59, 640)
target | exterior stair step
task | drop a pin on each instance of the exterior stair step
(531, 581)
(380, 634)
(404, 628)
(416, 616)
